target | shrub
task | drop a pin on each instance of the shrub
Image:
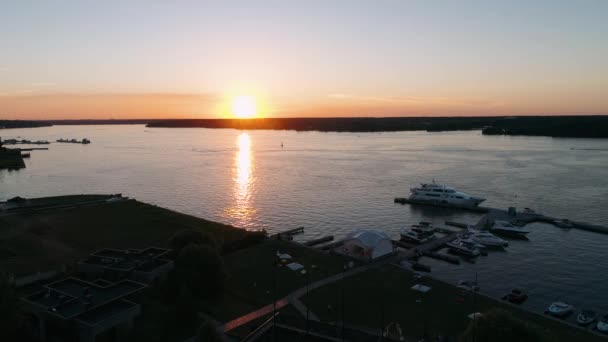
(500, 326)
(202, 269)
(184, 238)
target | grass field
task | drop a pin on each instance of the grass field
(44, 240)
(377, 297)
(252, 273)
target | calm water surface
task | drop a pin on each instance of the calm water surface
(333, 183)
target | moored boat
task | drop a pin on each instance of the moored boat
(416, 235)
(564, 223)
(506, 228)
(516, 296)
(560, 309)
(602, 324)
(485, 238)
(462, 247)
(434, 193)
(586, 317)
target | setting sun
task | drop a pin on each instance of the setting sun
(244, 107)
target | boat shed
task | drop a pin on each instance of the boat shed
(367, 245)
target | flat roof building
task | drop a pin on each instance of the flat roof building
(145, 266)
(82, 310)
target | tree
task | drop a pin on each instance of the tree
(208, 333)
(187, 237)
(500, 326)
(202, 269)
(10, 310)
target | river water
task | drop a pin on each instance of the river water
(334, 183)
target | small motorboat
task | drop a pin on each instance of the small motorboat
(586, 317)
(421, 267)
(416, 235)
(463, 247)
(425, 226)
(560, 309)
(602, 324)
(516, 296)
(468, 285)
(506, 228)
(486, 238)
(564, 223)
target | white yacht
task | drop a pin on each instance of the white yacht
(485, 238)
(441, 194)
(416, 235)
(506, 228)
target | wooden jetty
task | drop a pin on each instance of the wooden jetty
(510, 215)
(319, 241)
(405, 200)
(427, 249)
(456, 224)
(288, 234)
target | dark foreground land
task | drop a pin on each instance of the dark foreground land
(553, 126)
(48, 233)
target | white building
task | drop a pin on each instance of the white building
(368, 245)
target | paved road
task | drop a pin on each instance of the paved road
(295, 295)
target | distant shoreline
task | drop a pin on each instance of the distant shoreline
(595, 126)
(551, 126)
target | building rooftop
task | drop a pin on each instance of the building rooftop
(128, 260)
(71, 297)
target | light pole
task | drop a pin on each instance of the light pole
(274, 295)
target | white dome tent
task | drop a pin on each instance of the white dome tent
(368, 245)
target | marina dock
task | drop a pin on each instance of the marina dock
(510, 215)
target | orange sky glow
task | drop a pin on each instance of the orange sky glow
(126, 60)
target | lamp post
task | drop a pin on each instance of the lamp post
(342, 302)
(274, 295)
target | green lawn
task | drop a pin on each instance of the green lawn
(47, 239)
(252, 273)
(377, 297)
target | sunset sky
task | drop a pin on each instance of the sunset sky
(191, 59)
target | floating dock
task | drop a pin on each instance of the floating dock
(288, 234)
(319, 241)
(405, 200)
(510, 215)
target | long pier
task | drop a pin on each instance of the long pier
(511, 216)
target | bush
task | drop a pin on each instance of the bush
(10, 310)
(201, 269)
(500, 326)
(184, 238)
(208, 333)
(250, 239)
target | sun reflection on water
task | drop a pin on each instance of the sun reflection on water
(242, 211)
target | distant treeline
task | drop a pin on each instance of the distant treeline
(339, 124)
(553, 126)
(22, 124)
(105, 122)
